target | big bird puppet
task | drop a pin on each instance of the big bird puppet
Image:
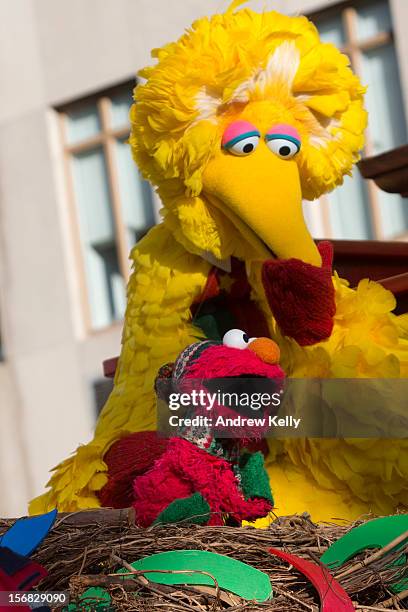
(238, 121)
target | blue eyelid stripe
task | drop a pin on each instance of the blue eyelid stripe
(233, 141)
(295, 141)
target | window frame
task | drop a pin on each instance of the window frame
(348, 13)
(106, 139)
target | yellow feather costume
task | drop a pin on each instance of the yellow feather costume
(266, 69)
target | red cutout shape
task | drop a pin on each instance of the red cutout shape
(333, 597)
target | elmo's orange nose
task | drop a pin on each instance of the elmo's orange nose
(266, 349)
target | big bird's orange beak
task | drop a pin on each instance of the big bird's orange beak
(260, 193)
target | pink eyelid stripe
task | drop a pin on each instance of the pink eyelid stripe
(285, 130)
(235, 129)
(239, 128)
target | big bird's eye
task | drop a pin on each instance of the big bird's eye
(236, 338)
(283, 146)
(240, 138)
(283, 140)
(243, 145)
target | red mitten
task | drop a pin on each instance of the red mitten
(126, 459)
(301, 296)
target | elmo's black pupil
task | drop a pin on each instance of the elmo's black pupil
(248, 147)
(245, 336)
(284, 151)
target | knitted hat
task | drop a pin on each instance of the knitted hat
(177, 369)
(190, 354)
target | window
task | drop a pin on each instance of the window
(102, 388)
(358, 209)
(113, 206)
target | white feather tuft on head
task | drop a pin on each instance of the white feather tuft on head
(282, 67)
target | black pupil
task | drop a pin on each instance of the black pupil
(245, 336)
(284, 150)
(248, 147)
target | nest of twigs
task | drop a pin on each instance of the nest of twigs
(86, 548)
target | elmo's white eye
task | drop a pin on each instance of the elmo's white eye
(236, 338)
(283, 146)
(244, 144)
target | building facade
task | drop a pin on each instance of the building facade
(72, 203)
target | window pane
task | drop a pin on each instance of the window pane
(102, 388)
(121, 104)
(394, 214)
(105, 284)
(349, 210)
(383, 98)
(387, 125)
(372, 19)
(332, 31)
(106, 288)
(136, 195)
(82, 123)
(313, 214)
(92, 196)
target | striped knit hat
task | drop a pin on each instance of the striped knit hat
(190, 354)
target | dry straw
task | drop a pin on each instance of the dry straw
(86, 549)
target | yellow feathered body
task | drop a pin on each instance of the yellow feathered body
(264, 68)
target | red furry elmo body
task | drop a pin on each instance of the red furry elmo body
(201, 476)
